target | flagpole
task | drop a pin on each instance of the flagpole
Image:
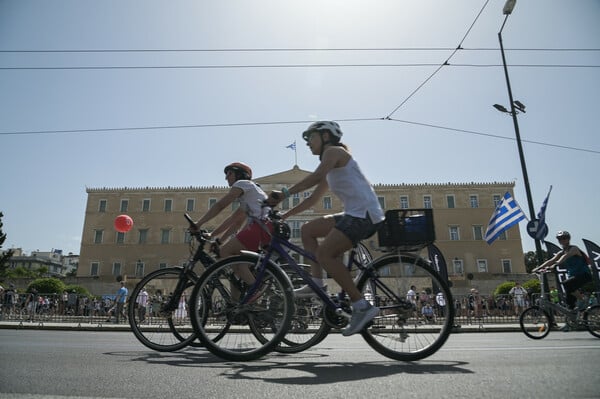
(295, 154)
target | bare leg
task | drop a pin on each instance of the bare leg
(233, 247)
(329, 256)
(310, 232)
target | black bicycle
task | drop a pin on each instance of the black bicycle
(158, 307)
(537, 320)
(253, 324)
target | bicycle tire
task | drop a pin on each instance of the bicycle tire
(535, 322)
(246, 331)
(161, 332)
(397, 331)
(308, 327)
(592, 320)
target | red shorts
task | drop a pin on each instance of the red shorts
(253, 237)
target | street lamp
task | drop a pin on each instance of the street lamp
(515, 108)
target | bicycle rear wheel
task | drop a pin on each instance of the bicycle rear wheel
(535, 322)
(400, 331)
(592, 318)
(164, 331)
(241, 331)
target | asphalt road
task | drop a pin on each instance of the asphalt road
(38, 363)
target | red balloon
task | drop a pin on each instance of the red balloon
(123, 223)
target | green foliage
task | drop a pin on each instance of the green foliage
(47, 285)
(504, 288)
(532, 285)
(4, 256)
(79, 290)
(531, 260)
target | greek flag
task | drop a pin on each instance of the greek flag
(292, 146)
(507, 214)
(542, 230)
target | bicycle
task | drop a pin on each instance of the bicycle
(162, 324)
(263, 316)
(537, 320)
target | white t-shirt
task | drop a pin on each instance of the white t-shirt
(252, 199)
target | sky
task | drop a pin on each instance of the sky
(165, 93)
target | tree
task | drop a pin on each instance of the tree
(531, 261)
(4, 256)
(47, 286)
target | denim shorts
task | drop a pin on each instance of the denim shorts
(354, 228)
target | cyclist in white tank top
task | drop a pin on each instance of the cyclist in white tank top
(361, 217)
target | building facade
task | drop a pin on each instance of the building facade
(159, 236)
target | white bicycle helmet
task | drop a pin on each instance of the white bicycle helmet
(324, 126)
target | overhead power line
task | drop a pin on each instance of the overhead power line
(242, 124)
(277, 66)
(331, 49)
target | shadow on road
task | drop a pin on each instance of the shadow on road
(300, 369)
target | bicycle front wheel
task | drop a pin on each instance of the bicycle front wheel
(308, 327)
(592, 319)
(153, 325)
(535, 322)
(402, 331)
(240, 331)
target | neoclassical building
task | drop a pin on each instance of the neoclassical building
(159, 237)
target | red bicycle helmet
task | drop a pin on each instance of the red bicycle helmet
(242, 171)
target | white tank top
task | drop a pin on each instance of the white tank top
(252, 199)
(354, 190)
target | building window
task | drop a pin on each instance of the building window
(496, 199)
(404, 202)
(454, 233)
(482, 265)
(477, 232)
(120, 237)
(457, 265)
(168, 205)
(295, 227)
(506, 266)
(427, 202)
(116, 269)
(163, 265)
(190, 205)
(124, 205)
(502, 236)
(143, 236)
(450, 201)
(295, 199)
(165, 236)
(98, 236)
(94, 266)
(102, 206)
(474, 201)
(146, 205)
(211, 202)
(326, 202)
(381, 202)
(139, 269)
(187, 238)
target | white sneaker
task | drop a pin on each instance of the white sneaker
(360, 318)
(306, 292)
